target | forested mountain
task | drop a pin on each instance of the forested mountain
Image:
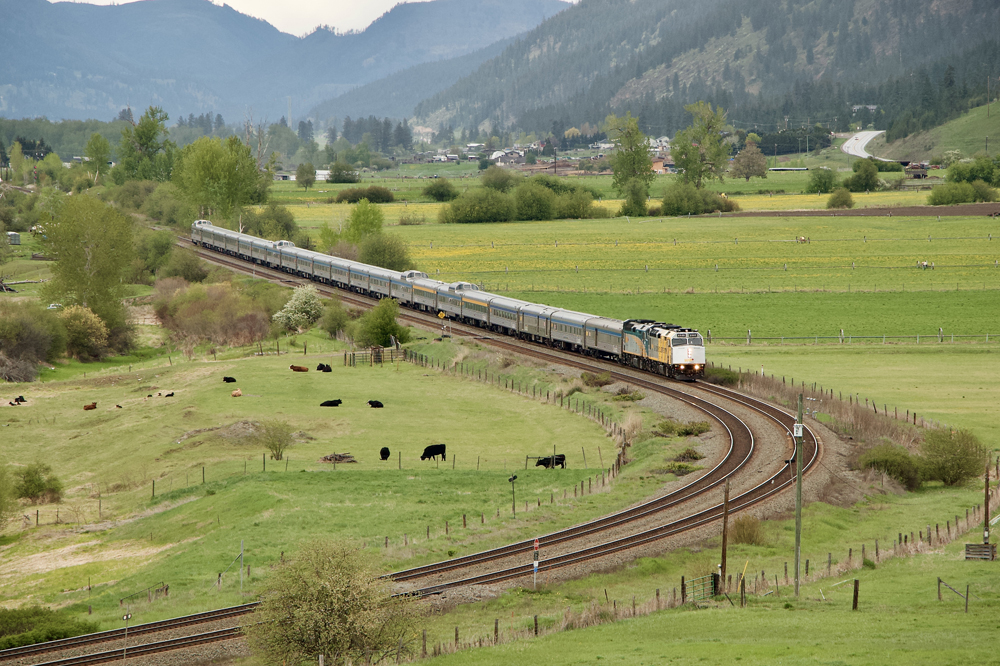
(763, 60)
(68, 60)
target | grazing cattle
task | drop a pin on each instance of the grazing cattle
(384, 453)
(375, 404)
(327, 368)
(118, 406)
(237, 393)
(13, 404)
(150, 395)
(20, 398)
(549, 463)
(229, 380)
(433, 451)
(331, 403)
(298, 368)
(169, 395)
(89, 407)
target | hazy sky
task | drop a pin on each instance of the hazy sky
(299, 17)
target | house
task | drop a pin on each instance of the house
(13, 238)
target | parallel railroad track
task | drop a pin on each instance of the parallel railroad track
(148, 648)
(117, 634)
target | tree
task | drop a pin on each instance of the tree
(636, 192)
(302, 311)
(275, 436)
(865, 178)
(330, 599)
(375, 326)
(305, 175)
(500, 179)
(8, 499)
(366, 219)
(92, 245)
(698, 151)
(534, 201)
(335, 317)
(821, 181)
(219, 175)
(441, 190)
(86, 334)
(630, 159)
(840, 198)
(98, 152)
(386, 250)
(749, 163)
(144, 152)
(341, 172)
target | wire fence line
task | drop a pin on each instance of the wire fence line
(939, 337)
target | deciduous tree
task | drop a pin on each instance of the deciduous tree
(630, 159)
(699, 151)
(305, 175)
(98, 152)
(366, 219)
(145, 152)
(219, 175)
(749, 163)
(303, 309)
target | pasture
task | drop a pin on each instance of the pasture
(121, 538)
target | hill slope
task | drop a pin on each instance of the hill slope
(195, 56)
(612, 55)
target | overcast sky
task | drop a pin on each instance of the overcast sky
(299, 17)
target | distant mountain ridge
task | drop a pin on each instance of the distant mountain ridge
(87, 61)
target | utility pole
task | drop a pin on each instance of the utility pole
(798, 494)
(725, 534)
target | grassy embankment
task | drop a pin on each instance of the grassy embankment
(966, 133)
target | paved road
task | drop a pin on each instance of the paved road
(856, 144)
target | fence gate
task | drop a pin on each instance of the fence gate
(705, 587)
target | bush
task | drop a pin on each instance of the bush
(375, 326)
(626, 394)
(37, 483)
(747, 530)
(441, 189)
(953, 456)
(9, 507)
(302, 310)
(479, 205)
(132, 194)
(688, 455)
(411, 219)
(840, 198)
(366, 219)
(184, 263)
(984, 192)
(579, 205)
(166, 205)
(534, 201)
(375, 194)
(595, 380)
(27, 626)
(335, 318)
(386, 250)
(28, 334)
(894, 461)
(274, 222)
(821, 181)
(685, 199)
(275, 436)
(865, 178)
(679, 468)
(500, 179)
(981, 168)
(721, 376)
(670, 427)
(951, 193)
(86, 334)
(636, 192)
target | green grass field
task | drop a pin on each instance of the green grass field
(966, 133)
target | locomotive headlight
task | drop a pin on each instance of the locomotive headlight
(697, 367)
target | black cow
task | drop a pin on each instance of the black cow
(229, 380)
(169, 395)
(331, 403)
(548, 463)
(433, 451)
(20, 398)
(327, 368)
(375, 404)
(384, 453)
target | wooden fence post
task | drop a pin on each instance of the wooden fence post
(856, 584)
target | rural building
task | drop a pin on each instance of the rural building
(13, 238)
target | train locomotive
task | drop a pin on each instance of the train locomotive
(663, 349)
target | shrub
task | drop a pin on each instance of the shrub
(595, 380)
(411, 219)
(821, 181)
(953, 456)
(386, 250)
(688, 455)
(747, 530)
(29, 333)
(951, 193)
(335, 317)
(981, 168)
(274, 222)
(534, 202)
(983, 191)
(375, 326)
(721, 376)
(185, 264)
(302, 310)
(86, 334)
(479, 205)
(500, 179)
(579, 205)
(865, 178)
(366, 219)
(840, 198)
(375, 194)
(894, 461)
(341, 172)
(167, 205)
(626, 394)
(132, 194)
(679, 468)
(670, 427)
(275, 436)
(694, 428)
(685, 199)
(27, 626)
(441, 189)
(37, 483)
(636, 192)
(9, 507)
(16, 370)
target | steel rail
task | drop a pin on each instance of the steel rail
(148, 648)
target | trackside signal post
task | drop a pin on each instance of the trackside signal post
(798, 494)
(534, 575)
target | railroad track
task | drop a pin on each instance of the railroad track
(148, 648)
(740, 451)
(118, 634)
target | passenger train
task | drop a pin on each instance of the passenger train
(664, 349)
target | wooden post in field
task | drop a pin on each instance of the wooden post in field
(496, 631)
(424, 649)
(684, 592)
(939, 589)
(855, 604)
